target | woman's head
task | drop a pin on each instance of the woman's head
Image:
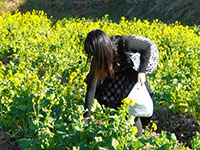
(99, 46)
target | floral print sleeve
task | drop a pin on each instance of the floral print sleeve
(143, 52)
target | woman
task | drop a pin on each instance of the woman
(113, 74)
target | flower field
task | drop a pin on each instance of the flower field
(42, 89)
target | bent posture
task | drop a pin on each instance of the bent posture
(113, 73)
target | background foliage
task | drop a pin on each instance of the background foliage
(42, 88)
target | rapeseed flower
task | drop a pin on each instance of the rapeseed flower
(134, 130)
(154, 126)
(33, 78)
(3, 68)
(128, 101)
(1, 75)
(21, 65)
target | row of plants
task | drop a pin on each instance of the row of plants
(42, 89)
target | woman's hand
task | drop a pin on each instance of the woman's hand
(86, 120)
(141, 77)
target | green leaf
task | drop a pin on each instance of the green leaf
(24, 143)
(22, 107)
(35, 147)
(33, 125)
(172, 137)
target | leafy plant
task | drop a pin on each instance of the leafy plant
(42, 89)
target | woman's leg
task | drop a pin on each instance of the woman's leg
(145, 121)
(138, 124)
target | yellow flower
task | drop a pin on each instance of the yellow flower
(1, 75)
(61, 51)
(125, 101)
(36, 55)
(73, 75)
(62, 68)
(28, 52)
(156, 20)
(78, 70)
(63, 59)
(83, 77)
(128, 101)
(161, 66)
(19, 75)
(106, 15)
(33, 78)
(134, 130)
(22, 65)
(132, 102)
(154, 126)
(10, 72)
(181, 55)
(15, 81)
(2, 66)
(76, 81)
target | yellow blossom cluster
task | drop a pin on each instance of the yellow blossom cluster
(40, 51)
(128, 101)
(2, 69)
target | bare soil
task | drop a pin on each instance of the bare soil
(7, 143)
(184, 127)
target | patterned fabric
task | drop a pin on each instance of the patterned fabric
(114, 90)
(154, 58)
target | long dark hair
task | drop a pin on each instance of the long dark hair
(99, 46)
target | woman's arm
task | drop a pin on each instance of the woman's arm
(141, 45)
(91, 89)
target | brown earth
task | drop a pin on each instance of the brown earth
(184, 127)
(7, 143)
